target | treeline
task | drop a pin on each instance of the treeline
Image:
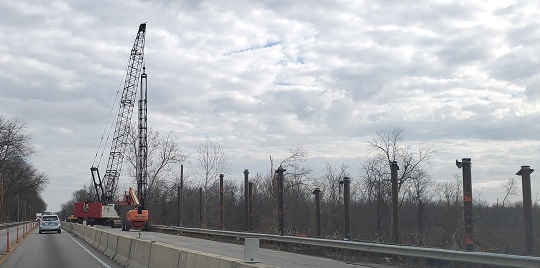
(438, 222)
(21, 184)
(430, 211)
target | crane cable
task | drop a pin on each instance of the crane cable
(109, 125)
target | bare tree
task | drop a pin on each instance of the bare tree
(164, 156)
(421, 193)
(331, 190)
(451, 200)
(14, 141)
(387, 145)
(212, 161)
(294, 163)
(20, 180)
(510, 190)
(377, 192)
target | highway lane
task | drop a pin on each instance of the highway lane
(55, 250)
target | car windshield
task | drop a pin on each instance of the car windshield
(50, 218)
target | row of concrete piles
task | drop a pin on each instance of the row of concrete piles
(468, 237)
(465, 165)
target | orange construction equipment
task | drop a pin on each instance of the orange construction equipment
(136, 218)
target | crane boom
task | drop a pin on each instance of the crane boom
(106, 189)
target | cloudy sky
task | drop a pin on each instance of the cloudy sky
(263, 77)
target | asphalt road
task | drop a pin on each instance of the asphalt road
(55, 250)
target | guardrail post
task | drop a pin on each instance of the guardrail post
(347, 205)
(395, 202)
(317, 193)
(250, 209)
(221, 203)
(246, 199)
(281, 198)
(525, 173)
(468, 240)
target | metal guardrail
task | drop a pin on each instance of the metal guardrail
(12, 224)
(483, 258)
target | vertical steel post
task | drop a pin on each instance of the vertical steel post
(317, 193)
(525, 173)
(246, 199)
(221, 203)
(178, 205)
(181, 195)
(395, 202)
(201, 216)
(281, 198)
(250, 218)
(468, 240)
(347, 205)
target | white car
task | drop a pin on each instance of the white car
(50, 223)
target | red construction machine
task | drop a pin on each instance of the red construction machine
(104, 210)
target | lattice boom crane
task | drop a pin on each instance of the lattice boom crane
(102, 211)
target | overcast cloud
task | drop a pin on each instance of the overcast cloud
(263, 77)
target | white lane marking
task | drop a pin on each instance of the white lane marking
(100, 261)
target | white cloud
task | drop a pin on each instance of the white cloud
(264, 77)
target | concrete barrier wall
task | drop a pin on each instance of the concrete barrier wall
(162, 255)
(136, 253)
(83, 231)
(87, 234)
(76, 229)
(139, 254)
(97, 238)
(112, 242)
(80, 231)
(122, 250)
(197, 259)
(67, 225)
(103, 242)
